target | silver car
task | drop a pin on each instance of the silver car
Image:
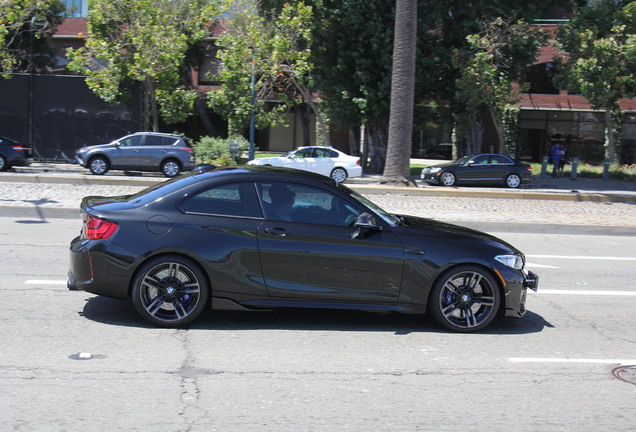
(142, 151)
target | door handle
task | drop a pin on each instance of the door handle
(278, 232)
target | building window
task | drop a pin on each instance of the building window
(540, 77)
(76, 8)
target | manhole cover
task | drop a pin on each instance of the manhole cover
(625, 373)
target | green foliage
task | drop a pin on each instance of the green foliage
(145, 41)
(600, 45)
(216, 151)
(274, 50)
(25, 26)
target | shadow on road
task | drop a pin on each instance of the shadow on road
(122, 313)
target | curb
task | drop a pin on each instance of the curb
(70, 174)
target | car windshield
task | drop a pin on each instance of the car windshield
(386, 217)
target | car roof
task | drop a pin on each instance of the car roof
(265, 173)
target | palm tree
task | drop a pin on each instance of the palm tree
(396, 170)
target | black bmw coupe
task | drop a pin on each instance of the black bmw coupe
(255, 238)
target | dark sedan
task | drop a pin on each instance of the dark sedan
(12, 153)
(481, 169)
(257, 238)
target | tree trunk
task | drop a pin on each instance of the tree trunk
(397, 168)
(201, 108)
(377, 147)
(610, 151)
(152, 103)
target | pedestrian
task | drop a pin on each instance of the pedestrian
(555, 153)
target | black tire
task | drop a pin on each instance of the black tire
(465, 299)
(513, 180)
(98, 165)
(339, 174)
(447, 179)
(170, 168)
(170, 291)
(4, 165)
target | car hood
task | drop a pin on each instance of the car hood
(415, 226)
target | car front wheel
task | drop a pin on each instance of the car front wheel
(170, 168)
(339, 174)
(513, 181)
(465, 299)
(447, 179)
(98, 165)
(170, 291)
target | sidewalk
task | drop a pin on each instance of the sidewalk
(564, 189)
(50, 191)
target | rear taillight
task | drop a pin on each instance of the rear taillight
(188, 149)
(98, 229)
(21, 148)
(358, 162)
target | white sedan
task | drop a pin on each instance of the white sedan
(322, 160)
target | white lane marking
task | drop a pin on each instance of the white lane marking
(579, 257)
(541, 266)
(45, 282)
(570, 360)
(586, 292)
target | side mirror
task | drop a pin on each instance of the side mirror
(365, 224)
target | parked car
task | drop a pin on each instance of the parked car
(480, 169)
(12, 153)
(318, 159)
(258, 238)
(142, 151)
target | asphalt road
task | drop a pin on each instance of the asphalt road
(74, 361)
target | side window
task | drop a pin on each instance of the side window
(500, 160)
(480, 160)
(305, 153)
(232, 199)
(305, 204)
(131, 141)
(152, 140)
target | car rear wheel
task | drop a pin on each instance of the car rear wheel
(98, 165)
(170, 168)
(513, 181)
(170, 291)
(465, 299)
(447, 179)
(4, 165)
(339, 174)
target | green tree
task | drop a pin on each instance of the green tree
(145, 41)
(493, 61)
(397, 168)
(600, 48)
(274, 49)
(25, 26)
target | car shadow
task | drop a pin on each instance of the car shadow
(122, 313)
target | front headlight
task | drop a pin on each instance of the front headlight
(514, 261)
(435, 170)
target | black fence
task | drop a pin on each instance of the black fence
(56, 114)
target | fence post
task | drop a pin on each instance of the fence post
(575, 166)
(544, 167)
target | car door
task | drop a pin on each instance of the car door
(323, 162)
(475, 170)
(154, 149)
(500, 167)
(220, 225)
(313, 256)
(126, 153)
